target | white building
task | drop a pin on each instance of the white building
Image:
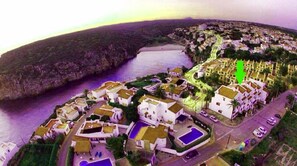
(159, 111)
(7, 151)
(221, 102)
(247, 95)
(97, 131)
(125, 96)
(53, 128)
(81, 104)
(114, 114)
(150, 137)
(108, 86)
(68, 112)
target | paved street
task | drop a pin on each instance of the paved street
(68, 139)
(237, 134)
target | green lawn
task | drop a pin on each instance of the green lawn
(33, 155)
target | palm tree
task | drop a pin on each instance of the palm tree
(208, 97)
(171, 89)
(234, 104)
(291, 100)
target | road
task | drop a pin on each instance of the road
(237, 134)
(62, 155)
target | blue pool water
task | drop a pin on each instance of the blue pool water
(138, 125)
(105, 162)
(191, 136)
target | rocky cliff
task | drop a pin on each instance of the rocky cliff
(37, 67)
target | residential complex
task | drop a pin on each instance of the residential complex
(226, 68)
(247, 95)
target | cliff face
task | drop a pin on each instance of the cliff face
(37, 67)
(34, 79)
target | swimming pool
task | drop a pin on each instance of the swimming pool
(104, 162)
(138, 125)
(191, 136)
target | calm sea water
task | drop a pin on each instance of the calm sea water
(19, 118)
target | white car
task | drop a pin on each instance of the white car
(262, 130)
(271, 121)
(203, 113)
(213, 118)
(257, 133)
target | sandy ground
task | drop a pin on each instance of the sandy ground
(163, 47)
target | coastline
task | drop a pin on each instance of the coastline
(165, 47)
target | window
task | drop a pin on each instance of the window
(223, 98)
(218, 104)
(220, 111)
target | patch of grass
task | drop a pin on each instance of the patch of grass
(35, 155)
(70, 156)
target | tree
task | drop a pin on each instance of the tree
(185, 94)
(131, 113)
(160, 93)
(283, 70)
(138, 95)
(291, 100)
(209, 95)
(133, 157)
(171, 88)
(115, 145)
(86, 91)
(105, 118)
(234, 104)
(265, 71)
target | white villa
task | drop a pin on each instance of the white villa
(7, 150)
(247, 94)
(173, 92)
(97, 131)
(53, 127)
(150, 137)
(81, 104)
(67, 112)
(125, 96)
(160, 111)
(108, 88)
(114, 114)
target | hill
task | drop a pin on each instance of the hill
(46, 64)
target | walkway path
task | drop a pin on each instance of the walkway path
(198, 102)
(62, 155)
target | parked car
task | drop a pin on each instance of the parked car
(277, 116)
(203, 113)
(192, 154)
(262, 130)
(257, 133)
(213, 118)
(271, 121)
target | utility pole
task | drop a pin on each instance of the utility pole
(228, 141)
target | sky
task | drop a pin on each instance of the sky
(23, 22)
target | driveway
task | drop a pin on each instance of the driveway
(236, 135)
(62, 155)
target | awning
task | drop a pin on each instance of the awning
(181, 118)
